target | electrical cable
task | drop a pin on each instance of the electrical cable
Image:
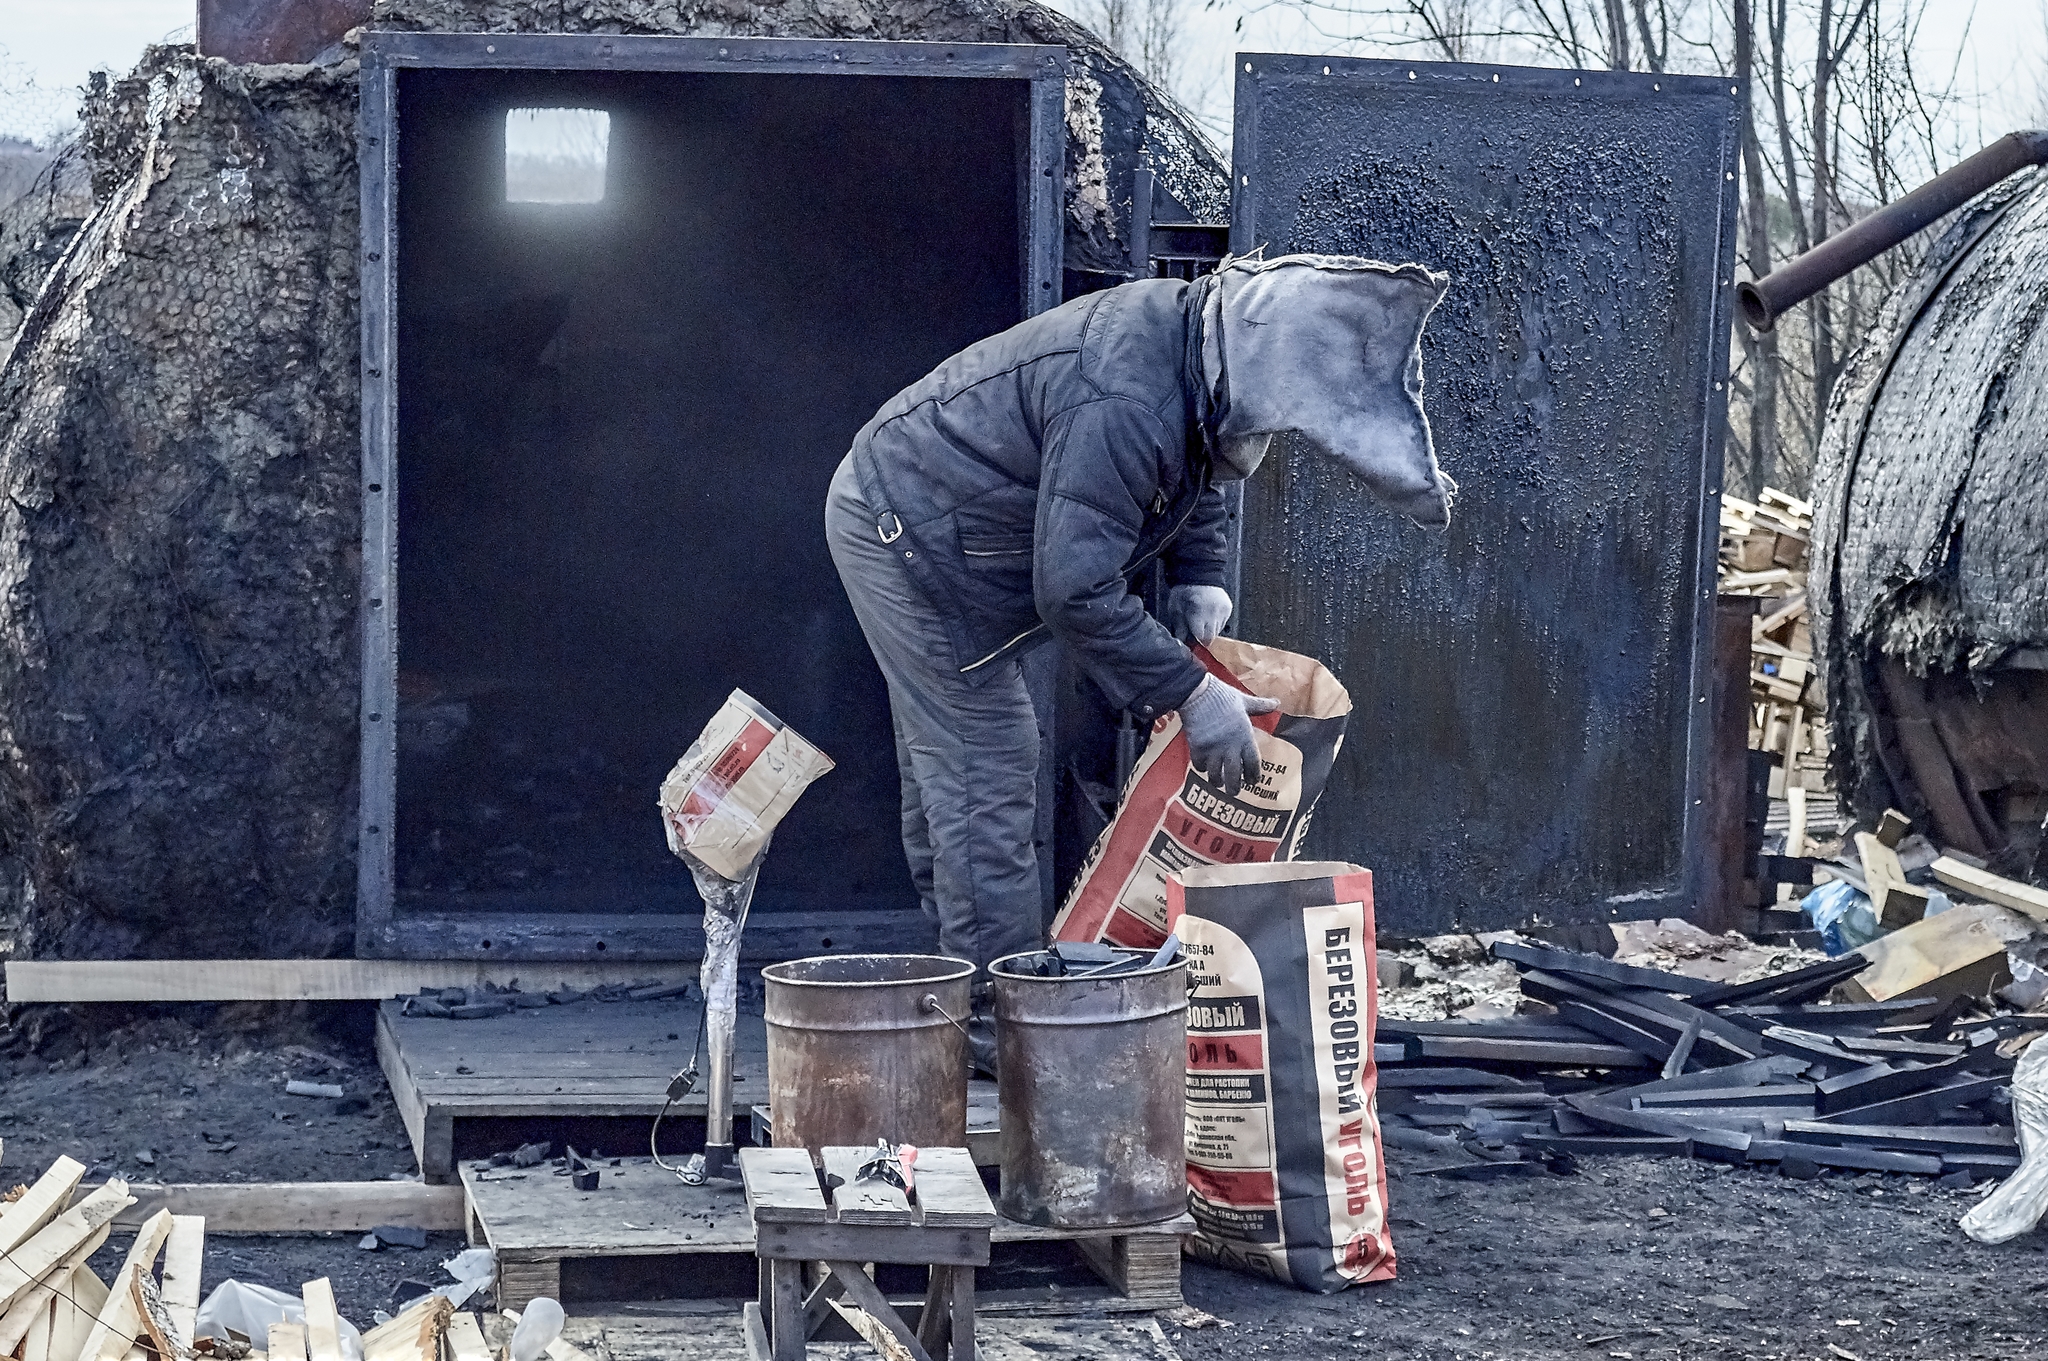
(680, 1086)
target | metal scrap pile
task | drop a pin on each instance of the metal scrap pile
(1646, 1061)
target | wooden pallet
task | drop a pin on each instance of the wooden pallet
(536, 1221)
(602, 1059)
(648, 1332)
(587, 1059)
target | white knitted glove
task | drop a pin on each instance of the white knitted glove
(1196, 614)
(1216, 719)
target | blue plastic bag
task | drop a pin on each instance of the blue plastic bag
(1843, 916)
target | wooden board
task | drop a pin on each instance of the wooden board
(300, 1207)
(782, 1186)
(1961, 952)
(1984, 884)
(281, 980)
(323, 1328)
(585, 1059)
(184, 1262)
(45, 1200)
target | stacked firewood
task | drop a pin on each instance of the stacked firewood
(57, 1309)
(1763, 553)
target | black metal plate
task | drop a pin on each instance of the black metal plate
(1531, 685)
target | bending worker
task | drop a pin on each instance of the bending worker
(1009, 497)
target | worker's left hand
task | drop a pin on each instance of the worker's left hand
(1196, 614)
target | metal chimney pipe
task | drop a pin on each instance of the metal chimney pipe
(1763, 300)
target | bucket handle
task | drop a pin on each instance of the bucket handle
(930, 1004)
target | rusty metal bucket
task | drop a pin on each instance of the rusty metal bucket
(857, 1052)
(1093, 1093)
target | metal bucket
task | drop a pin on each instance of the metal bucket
(1094, 1095)
(856, 1053)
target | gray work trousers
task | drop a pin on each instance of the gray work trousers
(967, 753)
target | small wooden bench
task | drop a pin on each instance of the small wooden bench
(863, 1221)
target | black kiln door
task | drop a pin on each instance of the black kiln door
(1531, 685)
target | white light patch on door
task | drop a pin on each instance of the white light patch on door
(556, 155)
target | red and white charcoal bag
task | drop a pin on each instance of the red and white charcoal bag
(1171, 818)
(1285, 1174)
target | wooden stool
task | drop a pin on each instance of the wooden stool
(795, 1225)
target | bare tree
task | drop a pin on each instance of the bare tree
(1149, 34)
(1837, 122)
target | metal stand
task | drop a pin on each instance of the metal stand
(797, 1231)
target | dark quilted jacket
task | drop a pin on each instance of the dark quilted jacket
(1033, 473)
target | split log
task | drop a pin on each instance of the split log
(59, 1239)
(120, 1320)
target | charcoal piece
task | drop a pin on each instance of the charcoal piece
(1918, 1107)
(400, 1236)
(479, 1011)
(1888, 1046)
(1505, 1028)
(1956, 1181)
(1400, 1136)
(1570, 1122)
(1656, 1145)
(1814, 1048)
(1765, 1122)
(1586, 1052)
(1466, 1100)
(1480, 1171)
(527, 1000)
(1696, 1131)
(1648, 1012)
(1868, 1159)
(1800, 985)
(406, 1291)
(1770, 1068)
(1450, 1080)
(1942, 1139)
(1798, 1168)
(1880, 1082)
(1607, 1026)
(1832, 1018)
(564, 996)
(1681, 1050)
(1597, 969)
(528, 1155)
(1683, 1011)
(1777, 1094)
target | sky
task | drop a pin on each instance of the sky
(48, 46)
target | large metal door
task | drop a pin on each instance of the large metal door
(1531, 685)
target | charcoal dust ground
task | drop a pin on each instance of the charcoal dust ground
(1630, 1258)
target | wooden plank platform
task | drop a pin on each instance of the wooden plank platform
(605, 1059)
(535, 1220)
(713, 1334)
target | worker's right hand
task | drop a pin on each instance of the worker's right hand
(1221, 744)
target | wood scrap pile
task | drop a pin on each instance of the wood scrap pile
(423, 1331)
(1640, 1060)
(53, 1307)
(1763, 553)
